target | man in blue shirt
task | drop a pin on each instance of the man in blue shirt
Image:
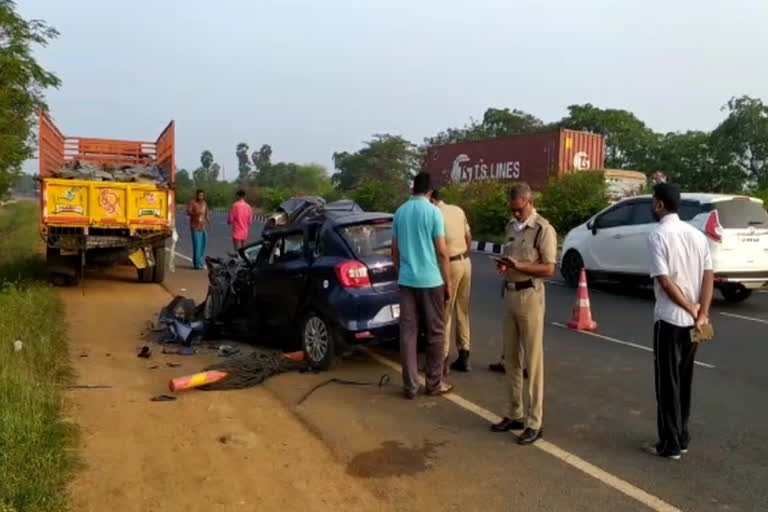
(423, 264)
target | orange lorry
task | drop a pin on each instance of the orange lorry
(105, 201)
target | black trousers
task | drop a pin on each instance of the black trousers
(674, 355)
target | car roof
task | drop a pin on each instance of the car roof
(700, 197)
(334, 217)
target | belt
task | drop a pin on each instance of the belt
(516, 286)
(458, 257)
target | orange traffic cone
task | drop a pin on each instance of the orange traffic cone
(296, 357)
(196, 380)
(581, 318)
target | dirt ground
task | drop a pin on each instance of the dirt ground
(230, 450)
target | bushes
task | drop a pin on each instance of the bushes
(763, 194)
(572, 199)
(485, 204)
(566, 202)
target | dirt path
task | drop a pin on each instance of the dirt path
(233, 450)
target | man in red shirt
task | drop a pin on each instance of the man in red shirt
(240, 218)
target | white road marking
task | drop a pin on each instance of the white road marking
(742, 317)
(622, 342)
(182, 256)
(575, 461)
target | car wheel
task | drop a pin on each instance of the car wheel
(318, 341)
(571, 268)
(735, 293)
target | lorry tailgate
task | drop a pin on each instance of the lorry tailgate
(101, 204)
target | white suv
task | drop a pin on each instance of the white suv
(613, 243)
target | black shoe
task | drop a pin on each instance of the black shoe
(497, 367)
(462, 363)
(655, 449)
(530, 436)
(507, 424)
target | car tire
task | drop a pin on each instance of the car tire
(571, 268)
(735, 293)
(318, 341)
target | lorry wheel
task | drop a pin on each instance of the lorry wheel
(63, 270)
(161, 264)
(146, 274)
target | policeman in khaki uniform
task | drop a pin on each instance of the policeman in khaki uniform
(458, 238)
(530, 253)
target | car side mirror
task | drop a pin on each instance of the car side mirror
(593, 226)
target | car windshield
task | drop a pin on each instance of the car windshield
(370, 239)
(252, 253)
(742, 213)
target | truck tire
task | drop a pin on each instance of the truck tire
(146, 274)
(63, 270)
(161, 264)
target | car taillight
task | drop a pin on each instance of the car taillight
(353, 274)
(713, 229)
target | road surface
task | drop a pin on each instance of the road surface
(599, 411)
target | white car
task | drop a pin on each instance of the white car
(614, 243)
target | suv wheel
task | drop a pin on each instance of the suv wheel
(317, 341)
(735, 292)
(571, 268)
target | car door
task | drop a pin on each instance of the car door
(282, 281)
(634, 238)
(605, 247)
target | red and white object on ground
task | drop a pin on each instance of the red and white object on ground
(581, 318)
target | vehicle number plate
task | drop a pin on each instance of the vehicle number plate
(395, 310)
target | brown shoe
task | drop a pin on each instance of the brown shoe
(443, 389)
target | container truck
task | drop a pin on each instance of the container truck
(105, 201)
(533, 158)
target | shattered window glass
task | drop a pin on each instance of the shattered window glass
(369, 239)
(293, 247)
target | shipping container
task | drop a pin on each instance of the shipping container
(533, 158)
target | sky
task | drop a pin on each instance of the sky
(312, 78)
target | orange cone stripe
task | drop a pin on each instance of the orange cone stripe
(582, 315)
(196, 380)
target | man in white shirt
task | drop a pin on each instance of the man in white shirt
(681, 266)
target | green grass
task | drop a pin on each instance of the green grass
(37, 447)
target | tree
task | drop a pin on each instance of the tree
(262, 159)
(694, 161)
(572, 199)
(208, 171)
(385, 158)
(743, 137)
(629, 144)
(243, 165)
(496, 123)
(22, 82)
(183, 179)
